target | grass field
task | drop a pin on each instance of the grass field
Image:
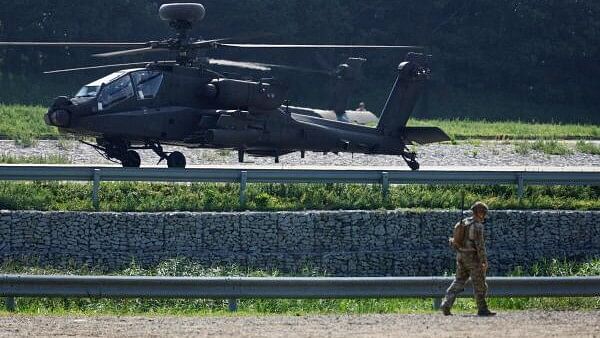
(50, 159)
(147, 197)
(183, 267)
(550, 147)
(25, 124)
(587, 148)
(513, 130)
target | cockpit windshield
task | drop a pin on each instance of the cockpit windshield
(122, 85)
(91, 89)
(147, 83)
(119, 90)
(87, 91)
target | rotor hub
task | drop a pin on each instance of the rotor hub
(181, 17)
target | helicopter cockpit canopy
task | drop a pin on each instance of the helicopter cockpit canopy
(91, 89)
(121, 85)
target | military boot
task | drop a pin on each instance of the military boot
(482, 308)
(485, 313)
(447, 304)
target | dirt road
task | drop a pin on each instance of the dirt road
(511, 324)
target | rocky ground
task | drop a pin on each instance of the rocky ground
(462, 154)
(508, 324)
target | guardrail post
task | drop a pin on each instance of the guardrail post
(96, 189)
(10, 304)
(233, 305)
(385, 185)
(520, 186)
(437, 303)
(243, 181)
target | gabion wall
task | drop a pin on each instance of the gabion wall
(358, 243)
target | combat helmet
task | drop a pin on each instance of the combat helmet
(479, 206)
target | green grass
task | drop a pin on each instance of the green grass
(511, 130)
(149, 197)
(548, 147)
(25, 124)
(185, 267)
(551, 147)
(553, 268)
(49, 159)
(587, 148)
(523, 148)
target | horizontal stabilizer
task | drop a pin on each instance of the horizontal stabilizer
(424, 135)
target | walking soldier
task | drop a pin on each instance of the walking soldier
(471, 260)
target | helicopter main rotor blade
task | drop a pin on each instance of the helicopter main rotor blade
(130, 52)
(107, 66)
(217, 42)
(72, 44)
(249, 45)
(208, 43)
(159, 47)
(296, 68)
(261, 66)
(238, 64)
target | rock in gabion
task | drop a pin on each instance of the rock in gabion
(342, 243)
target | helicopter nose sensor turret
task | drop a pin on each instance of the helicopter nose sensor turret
(58, 114)
(58, 118)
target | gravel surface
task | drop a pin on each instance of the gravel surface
(509, 324)
(463, 154)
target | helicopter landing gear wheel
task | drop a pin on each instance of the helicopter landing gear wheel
(413, 165)
(410, 159)
(118, 151)
(176, 160)
(131, 159)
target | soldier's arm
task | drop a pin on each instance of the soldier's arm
(480, 245)
(451, 239)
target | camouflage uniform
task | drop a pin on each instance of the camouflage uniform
(469, 260)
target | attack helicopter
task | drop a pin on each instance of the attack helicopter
(183, 102)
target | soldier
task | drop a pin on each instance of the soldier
(471, 260)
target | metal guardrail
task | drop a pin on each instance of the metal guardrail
(244, 175)
(233, 288)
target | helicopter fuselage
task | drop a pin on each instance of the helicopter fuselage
(198, 108)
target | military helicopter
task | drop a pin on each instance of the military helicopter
(183, 102)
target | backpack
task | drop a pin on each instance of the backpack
(457, 241)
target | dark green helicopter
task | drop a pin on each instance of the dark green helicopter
(183, 102)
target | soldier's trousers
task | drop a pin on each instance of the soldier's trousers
(467, 265)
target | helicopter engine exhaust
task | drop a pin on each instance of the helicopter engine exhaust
(235, 94)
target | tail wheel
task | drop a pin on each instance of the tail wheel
(131, 159)
(176, 160)
(411, 160)
(413, 165)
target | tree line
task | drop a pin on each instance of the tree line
(513, 59)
